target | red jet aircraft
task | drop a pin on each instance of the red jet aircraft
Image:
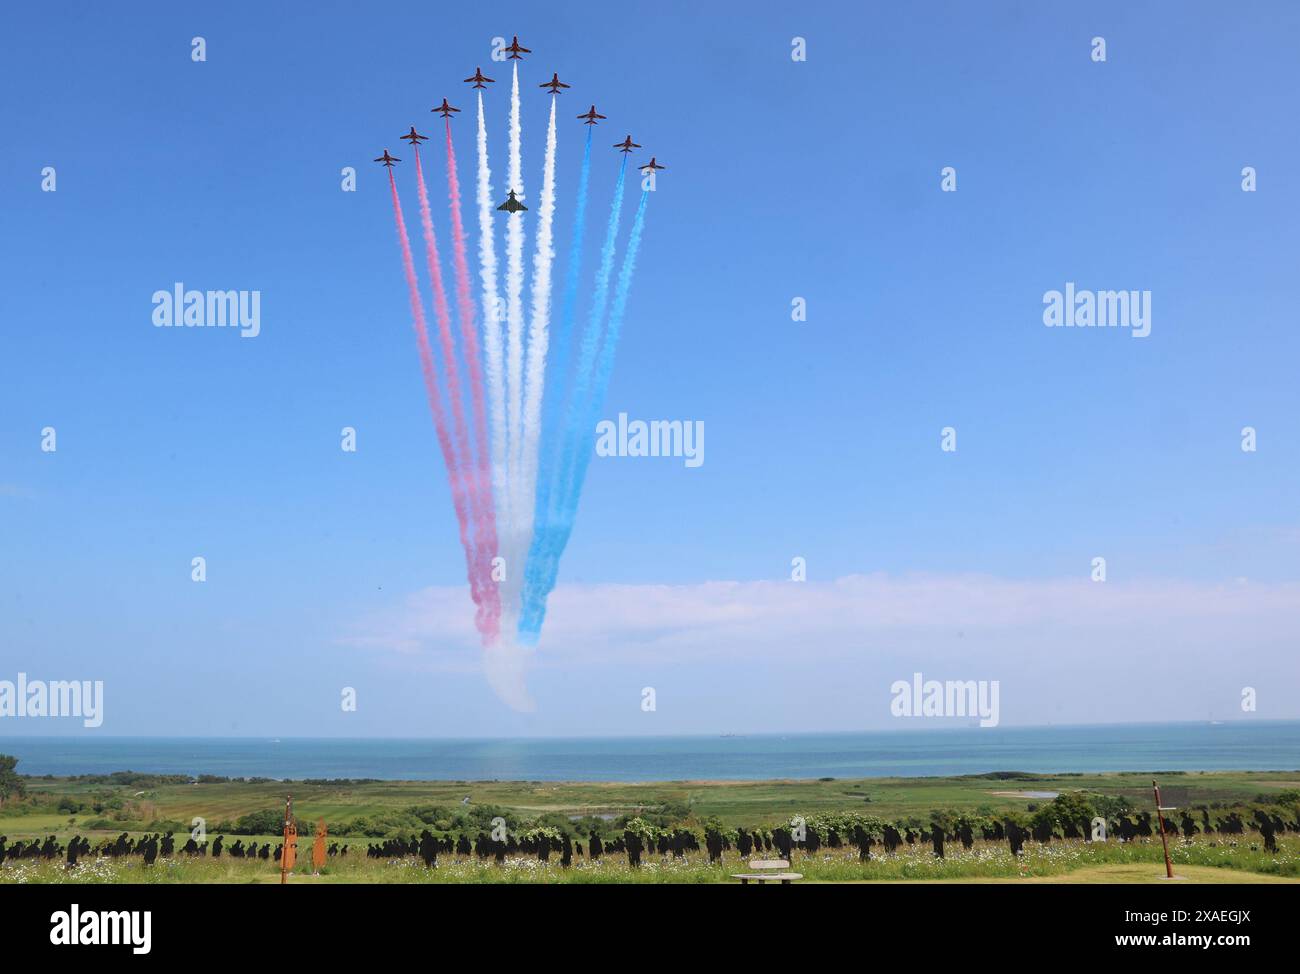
(555, 84)
(444, 109)
(414, 137)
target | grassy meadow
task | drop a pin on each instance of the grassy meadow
(734, 803)
(1197, 860)
(361, 812)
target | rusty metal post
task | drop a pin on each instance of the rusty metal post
(318, 848)
(1160, 817)
(288, 854)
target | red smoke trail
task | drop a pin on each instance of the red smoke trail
(480, 570)
(484, 621)
(487, 524)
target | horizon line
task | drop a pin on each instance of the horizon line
(90, 733)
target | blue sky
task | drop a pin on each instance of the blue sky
(817, 179)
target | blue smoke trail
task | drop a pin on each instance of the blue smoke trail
(551, 471)
(605, 368)
(550, 541)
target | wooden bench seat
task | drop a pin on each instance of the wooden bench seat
(768, 871)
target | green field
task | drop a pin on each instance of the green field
(735, 803)
(358, 813)
(1062, 861)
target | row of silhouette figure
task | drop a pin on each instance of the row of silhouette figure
(675, 842)
(149, 848)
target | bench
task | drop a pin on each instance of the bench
(768, 871)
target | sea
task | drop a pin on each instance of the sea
(1203, 746)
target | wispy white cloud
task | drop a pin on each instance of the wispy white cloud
(754, 620)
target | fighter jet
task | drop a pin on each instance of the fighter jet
(414, 137)
(590, 116)
(444, 109)
(512, 205)
(555, 84)
(388, 160)
(479, 78)
(515, 50)
(651, 165)
(627, 145)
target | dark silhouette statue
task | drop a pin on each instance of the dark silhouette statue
(428, 849)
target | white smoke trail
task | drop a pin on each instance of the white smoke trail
(514, 538)
(487, 255)
(538, 337)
